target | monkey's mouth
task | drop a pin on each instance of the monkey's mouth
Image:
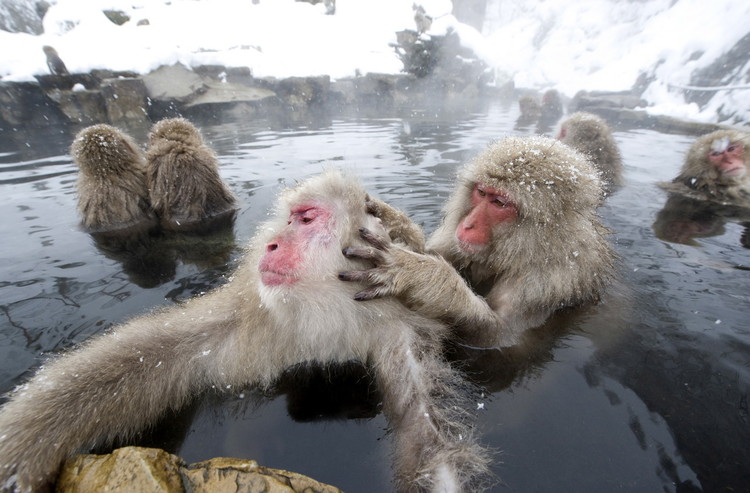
(733, 171)
(274, 278)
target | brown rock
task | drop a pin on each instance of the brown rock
(227, 475)
(132, 469)
(125, 470)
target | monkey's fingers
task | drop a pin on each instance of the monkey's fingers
(364, 253)
(373, 239)
(372, 207)
(368, 294)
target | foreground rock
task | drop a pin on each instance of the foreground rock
(131, 469)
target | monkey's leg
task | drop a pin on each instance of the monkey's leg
(423, 399)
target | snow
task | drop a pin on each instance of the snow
(541, 44)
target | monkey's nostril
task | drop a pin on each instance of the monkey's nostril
(271, 247)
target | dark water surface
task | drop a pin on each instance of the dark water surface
(645, 392)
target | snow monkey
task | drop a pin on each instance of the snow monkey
(552, 106)
(276, 312)
(520, 239)
(716, 169)
(592, 136)
(54, 63)
(183, 176)
(112, 193)
(529, 108)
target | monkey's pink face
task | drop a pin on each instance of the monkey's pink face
(728, 158)
(308, 226)
(489, 208)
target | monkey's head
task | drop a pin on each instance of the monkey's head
(520, 194)
(718, 158)
(582, 127)
(176, 129)
(103, 151)
(302, 245)
(544, 179)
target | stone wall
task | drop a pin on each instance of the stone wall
(128, 99)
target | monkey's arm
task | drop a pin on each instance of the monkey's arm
(400, 228)
(114, 386)
(429, 285)
(423, 399)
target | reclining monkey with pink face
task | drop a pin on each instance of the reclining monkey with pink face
(276, 312)
(520, 239)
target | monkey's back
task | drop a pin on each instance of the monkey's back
(184, 184)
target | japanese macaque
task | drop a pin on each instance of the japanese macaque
(183, 176)
(54, 62)
(522, 230)
(529, 108)
(284, 306)
(716, 169)
(592, 136)
(112, 193)
(551, 108)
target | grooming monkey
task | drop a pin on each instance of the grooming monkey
(591, 135)
(112, 192)
(521, 228)
(284, 306)
(183, 176)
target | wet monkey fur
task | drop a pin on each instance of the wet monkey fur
(520, 238)
(112, 193)
(716, 168)
(590, 134)
(183, 176)
(276, 312)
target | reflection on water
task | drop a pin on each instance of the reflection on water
(647, 391)
(683, 219)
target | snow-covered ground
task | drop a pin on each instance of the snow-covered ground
(586, 44)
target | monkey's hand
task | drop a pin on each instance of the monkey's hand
(425, 283)
(400, 228)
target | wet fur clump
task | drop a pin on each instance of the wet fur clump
(183, 176)
(112, 192)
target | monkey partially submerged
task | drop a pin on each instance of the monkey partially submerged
(521, 228)
(183, 176)
(112, 193)
(716, 169)
(283, 306)
(590, 135)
